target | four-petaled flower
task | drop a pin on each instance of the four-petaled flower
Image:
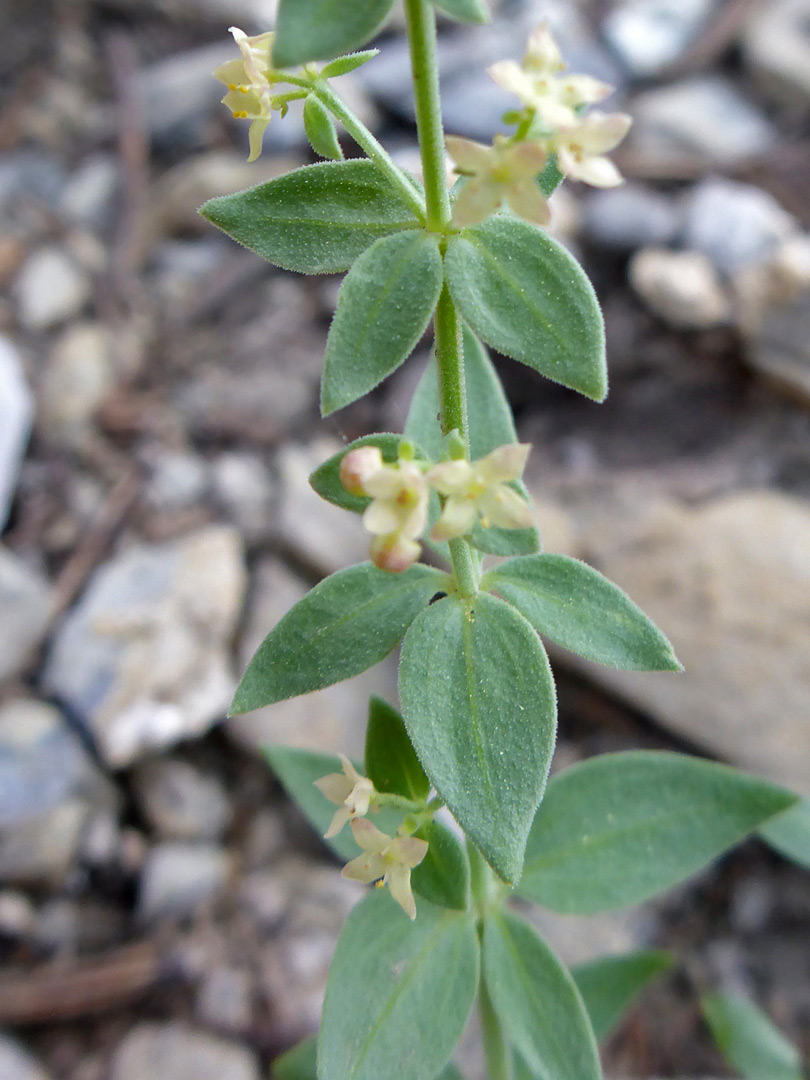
(397, 514)
(352, 793)
(581, 147)
(503, 172)
(481, 487)
(249, 89)
(388, 859)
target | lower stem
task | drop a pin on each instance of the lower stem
(497, 1052)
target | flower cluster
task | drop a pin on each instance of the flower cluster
(553, 121)
(350, 791)
(400, 492)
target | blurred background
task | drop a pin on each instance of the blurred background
(164, 914)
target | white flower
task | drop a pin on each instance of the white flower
(388, 859)
(249, 89)
(352, 793)
(503, 172)
(481, 488)
(581, 148)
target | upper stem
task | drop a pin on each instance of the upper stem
(496, 1049)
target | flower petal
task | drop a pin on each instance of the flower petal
(503, 463)
(365, 868)
(394, 552)
(471, 157)
(255, 136)
(381, 517)
(477, 199)
(528, 202)
(451, 477)
(369, 837)
(457, 518)
(398, 880)
(504, 508)
(339, 819)
(335, 787)
(543, 52)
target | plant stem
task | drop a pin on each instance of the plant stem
(496, 1049)
(421, 23)
(378, 154)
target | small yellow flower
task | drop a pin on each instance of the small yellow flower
(352, 793)
(398, 512)
(250, 93)
(581, 148)
(503, 172)
(388, 859)
(481, 488)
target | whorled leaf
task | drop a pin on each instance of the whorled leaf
(320, 29)
(320, 129)
(789, 833)
(611, 984)
(749, 1040)
(391, 761)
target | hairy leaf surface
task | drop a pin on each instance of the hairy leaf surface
(320, 29)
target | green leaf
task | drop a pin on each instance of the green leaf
(384, 306)
(316, 219)
(346, 624)
(527, 297)
(326, 478)
(391, 761)
(537, 1002)
(320, 29)
(749, 1041)
(478, 701)
(577, 607)
(551, 177)
(450, 1073)
(611, 984)
(344, 64)
(619, 828)
(474, 11)
(298, 1063)
(789, 833)
(320, 129)
(443, 876)
(387, 975)
(490, 424)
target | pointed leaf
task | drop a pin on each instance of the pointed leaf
(551, 177)
(619, 828)
(346, 624)
(386, 973)
(610, 985)
(443, 876)
(789, 833)
(391, 761)
(384, 307)
(298, 1063)
(342, 65)
(577, 607)
(320, 129)
(326, 478)
(478, 701)
(537, 1002)
(474, 11)
(749, 1041)
(524, 295)
(315, 220)
(320, 29)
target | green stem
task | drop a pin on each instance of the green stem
(496, 1049)
(421, 23)
(378, 154)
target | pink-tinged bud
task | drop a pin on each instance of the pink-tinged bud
(357, 466)
(394, 552)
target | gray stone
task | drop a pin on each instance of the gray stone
(225, 999)
(178, 92)
(683, 287)
(734, 224)
(77, 926)
(179, 480)
(174, 1051)
(30, 174)
(632, 216)
(776, 46)
(16, 1063)
(576, 939)
(177, 878)
(729, 583)
(143, 658)
(78, 377)
(244, 489)
(26, 602)
(648, 35)
(330, 720)
(50, 289)
(702, 115)
(17, 915)
(180, 802)
(16, 415)
(88, 197)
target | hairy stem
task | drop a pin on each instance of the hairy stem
(374, 149)
(421, 23)
(496, 1049)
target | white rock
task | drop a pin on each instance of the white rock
(729, 583)
(682, 287)
(776, 46)
(179, 480)
(632, 216)
(16, 1063)
(735, 224)
(333, 719)
(177, 878)
(778, 344)
(648, 35)
(181, 802)
(225, 999)
(702, 115)
(245, 490)
(17, 917)
(173, 1051)
(26, 602)
(50, 289)
(16, 415)
(88, 196)
(143, 657)
(78, 377)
